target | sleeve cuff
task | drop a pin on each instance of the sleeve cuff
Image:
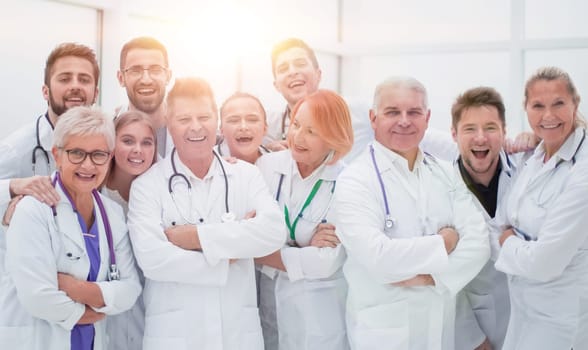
(69, 323)
(293, 263)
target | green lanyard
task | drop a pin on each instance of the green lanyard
(292, 227)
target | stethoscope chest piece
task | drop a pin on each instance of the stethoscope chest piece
(389, 222)
(293, 243)
(228, 217)
(113, 273)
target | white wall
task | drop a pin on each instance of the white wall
(30, 29)
(449, 45)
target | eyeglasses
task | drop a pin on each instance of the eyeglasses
(155, 71)
(77, 156)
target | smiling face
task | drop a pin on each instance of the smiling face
(134, 150)
(192, 124)
(551, 112)
(243, 127)
(81, 178)
(71, 84)
(295, 76)
(479, 135)
(308, 148)
(147, 90)
(400, 120)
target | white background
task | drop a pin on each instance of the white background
(449, 45)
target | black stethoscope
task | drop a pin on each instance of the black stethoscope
(285, 114)
(113, 272)
(262, 149)
(227, 215)
(38, 147)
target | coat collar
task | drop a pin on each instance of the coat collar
(285, 164)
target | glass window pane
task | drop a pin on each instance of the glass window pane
(444, 75)
(398, 22)
(547, 19)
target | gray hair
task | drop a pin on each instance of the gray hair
(84, 121)
(400, 81)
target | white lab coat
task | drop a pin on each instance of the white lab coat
(35, 314)
(483, 306)
(16, 154)
(126, 329)
(197, 299)
(548, 276)
(309, 299)
(380, 315)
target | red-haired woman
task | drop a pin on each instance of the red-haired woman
(302, 289)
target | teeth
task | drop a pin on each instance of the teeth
(202, 138)
(137, 161)
(549, 126)
(146, 91)
(86, 176)
(296, 84)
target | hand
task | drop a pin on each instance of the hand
(37, 186)
(416, 281)
(484, 346)
(80, 291)
(450, 238)
(90, 316)
(184, 236)
(505, 235)
(273, 260)
(324, 236)
(250, 215)
(523, 142)
(230, 160)
(10, 210)
(275, 146)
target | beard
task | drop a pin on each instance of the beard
(60, 108)
(147, 104)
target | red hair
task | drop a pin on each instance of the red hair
(332, 120)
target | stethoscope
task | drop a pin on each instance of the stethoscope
(292, 226)
(560, 162)
(521, 234)
(389, 221)
(38, 147)
(262, 149)
(113, 272)
(285, 114)
(227, 216)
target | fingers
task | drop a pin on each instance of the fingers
(250, 215)
(325, 236)
(10, 210)
(39, 187)
(230, 160)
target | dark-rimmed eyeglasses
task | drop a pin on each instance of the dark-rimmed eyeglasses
(77, 156)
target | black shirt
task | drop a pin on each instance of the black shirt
(486, 195)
